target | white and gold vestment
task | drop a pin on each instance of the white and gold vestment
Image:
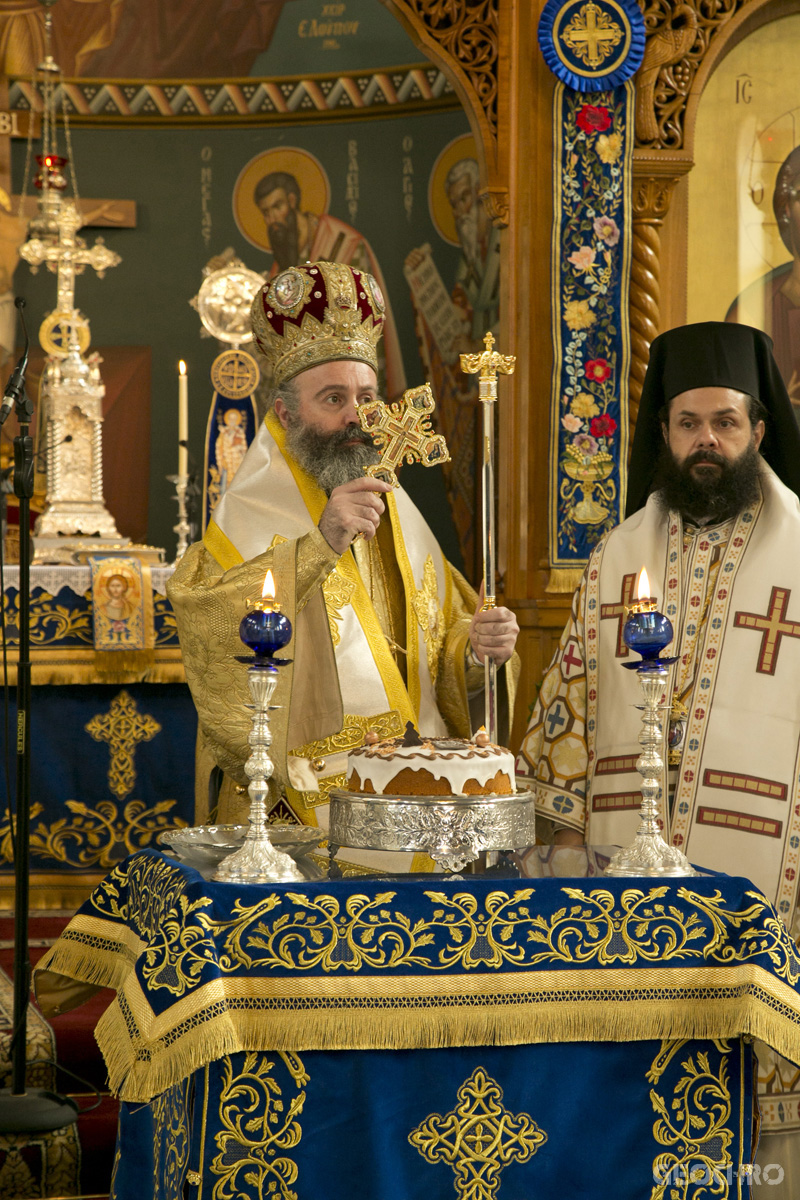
(380, 632)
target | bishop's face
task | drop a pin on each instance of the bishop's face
(323, 431)
(709, 427)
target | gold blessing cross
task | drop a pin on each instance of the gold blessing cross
(403, 432)
(488, 362)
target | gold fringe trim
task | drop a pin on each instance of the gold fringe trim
(564, 579)
(114, 665)
(138, 1071)
(100, 968)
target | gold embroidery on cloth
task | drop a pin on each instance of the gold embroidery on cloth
(171, 1138)
(338, 593)
(322, 796)
(478, 1137)
(122, 727)
(256, 1124)
(430, 616)
(386, 725)
(694, 1124)
(95, 836)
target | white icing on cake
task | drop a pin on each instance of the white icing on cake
(448, 759)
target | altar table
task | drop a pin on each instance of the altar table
(399, 1038)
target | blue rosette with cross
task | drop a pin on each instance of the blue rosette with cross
(592, 45)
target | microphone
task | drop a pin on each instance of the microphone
(15, 388)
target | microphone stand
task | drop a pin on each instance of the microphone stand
(36, 1109)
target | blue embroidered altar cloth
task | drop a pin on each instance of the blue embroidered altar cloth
(204, 970)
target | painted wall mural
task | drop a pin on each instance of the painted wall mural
(274, 131)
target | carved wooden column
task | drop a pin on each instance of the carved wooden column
(654, 178)
(470, 42)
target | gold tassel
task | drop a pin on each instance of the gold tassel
(116, 665)
(564, 579)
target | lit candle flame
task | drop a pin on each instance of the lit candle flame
(268, 590)
(182, 367)
(643, 587)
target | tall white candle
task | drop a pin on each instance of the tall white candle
(183, 419)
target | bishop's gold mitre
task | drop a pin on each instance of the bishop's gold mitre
(317, 313)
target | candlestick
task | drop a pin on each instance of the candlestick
(183, 419)
(263, 629)
(183, 528)
(648, 631)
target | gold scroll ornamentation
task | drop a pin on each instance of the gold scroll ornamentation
(258, 1127)
(338, 593)
(694, 1125)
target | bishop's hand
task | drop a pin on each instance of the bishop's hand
(493, 632)
(353, 508)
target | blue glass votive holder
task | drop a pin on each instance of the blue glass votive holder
(264, 629)
(647, 631)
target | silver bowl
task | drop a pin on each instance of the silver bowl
(204, 846)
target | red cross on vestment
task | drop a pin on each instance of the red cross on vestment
(773, 626)
(619, 611)
(570, 660)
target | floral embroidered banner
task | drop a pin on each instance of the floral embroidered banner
(591, 255)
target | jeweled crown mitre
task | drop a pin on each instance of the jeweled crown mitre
(317, 313)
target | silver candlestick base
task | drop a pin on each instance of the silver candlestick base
(258, 861)
(649, 854)
(183, 527)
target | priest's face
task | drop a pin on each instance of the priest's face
(708, 425)
(711, 465)
(321, 421)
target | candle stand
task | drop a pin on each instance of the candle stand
(183, 527)
(264, 629)
(648, 632)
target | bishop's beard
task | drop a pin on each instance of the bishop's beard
(711, 496)
(326, 457)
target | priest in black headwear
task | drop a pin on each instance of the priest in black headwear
(713, 515)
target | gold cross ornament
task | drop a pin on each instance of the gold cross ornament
(122, 728)
(592, 34)
(403, 433)
(488, 362)
(478, 1138)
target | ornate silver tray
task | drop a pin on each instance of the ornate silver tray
(453, 830)
(204, 846)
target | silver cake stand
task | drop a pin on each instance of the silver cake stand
(453, 830)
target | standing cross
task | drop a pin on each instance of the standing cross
(593, 41)
(122, 728)
(403, 432)
(68, 256)
(774, 626)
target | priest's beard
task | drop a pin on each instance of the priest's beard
(326, 457)
(713, 495)
(284, 241)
